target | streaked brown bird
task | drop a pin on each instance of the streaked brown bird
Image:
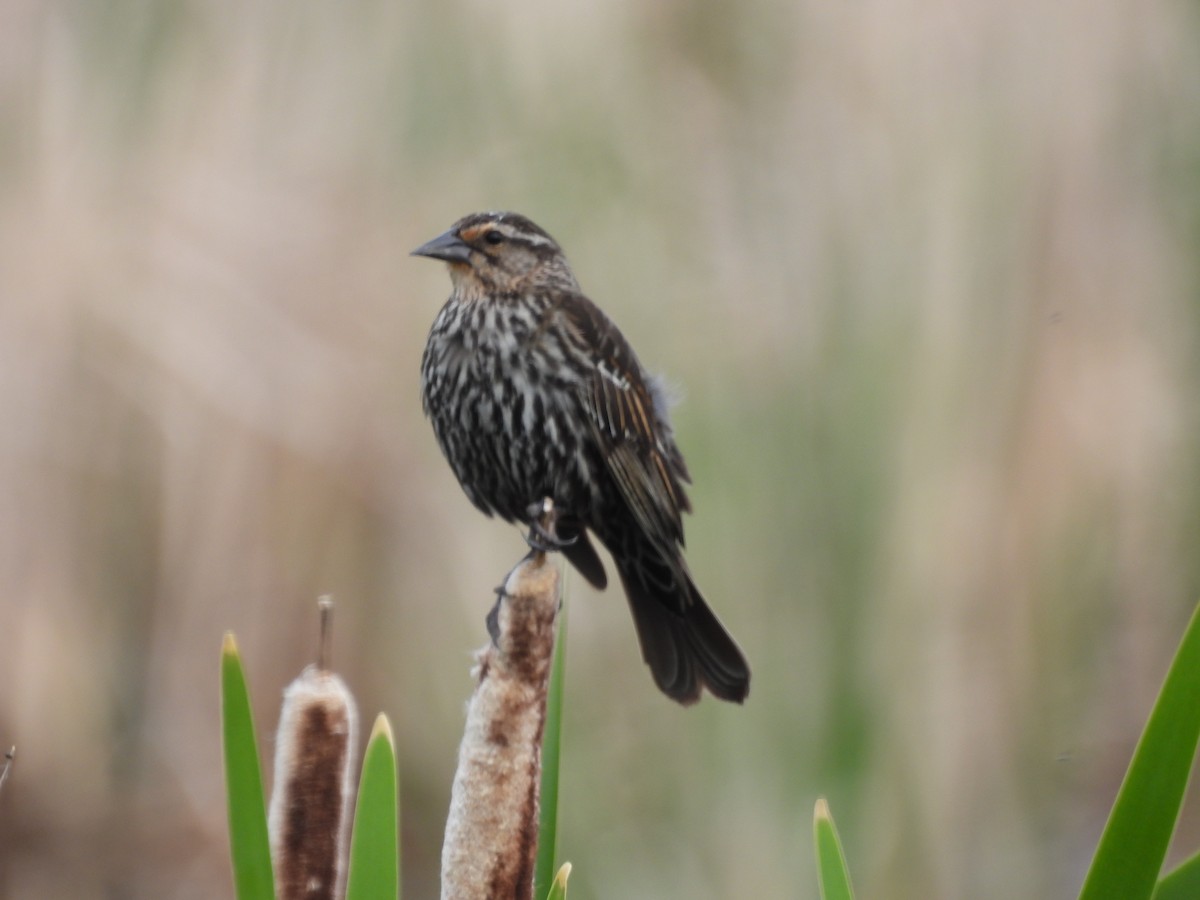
(534, 393)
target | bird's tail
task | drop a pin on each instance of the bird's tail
(683, 641)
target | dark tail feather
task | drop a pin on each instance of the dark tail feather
(582, 555)
(683, 642)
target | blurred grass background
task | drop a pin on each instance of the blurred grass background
(926, 274)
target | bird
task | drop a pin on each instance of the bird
(535, 395)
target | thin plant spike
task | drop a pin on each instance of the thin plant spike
(9, 756)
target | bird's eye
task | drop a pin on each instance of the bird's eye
(494, 237)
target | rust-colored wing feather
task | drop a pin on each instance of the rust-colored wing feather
(631, 428)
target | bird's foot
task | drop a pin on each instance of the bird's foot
(543, 534)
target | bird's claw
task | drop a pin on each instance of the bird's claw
(543, 535)
(544, 540)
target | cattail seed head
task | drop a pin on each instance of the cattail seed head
(311, 803)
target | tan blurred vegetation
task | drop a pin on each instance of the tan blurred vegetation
(925, 272)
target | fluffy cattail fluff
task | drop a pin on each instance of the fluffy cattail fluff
(311, 804)
(491, 832)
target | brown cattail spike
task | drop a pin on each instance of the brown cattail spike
(491, 832)
(310, 805)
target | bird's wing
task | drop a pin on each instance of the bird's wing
(630, 425)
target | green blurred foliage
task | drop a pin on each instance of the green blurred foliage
(925, 278)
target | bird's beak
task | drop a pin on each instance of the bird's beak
(449, 247)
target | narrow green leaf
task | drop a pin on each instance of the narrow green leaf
(250, 848)
(558, 890)
(1131, 852)
(374, 848)
(551, 750)
(1183, 883)
(831, 862)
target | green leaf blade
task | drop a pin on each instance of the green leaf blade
(551, 754)
(832, 872)
(249, 843)
(558, 890)
(1135, 839)
(1183, 883)
(374, 847)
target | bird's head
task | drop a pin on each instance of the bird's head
(500, 252)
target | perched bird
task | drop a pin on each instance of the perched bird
(533, 394)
